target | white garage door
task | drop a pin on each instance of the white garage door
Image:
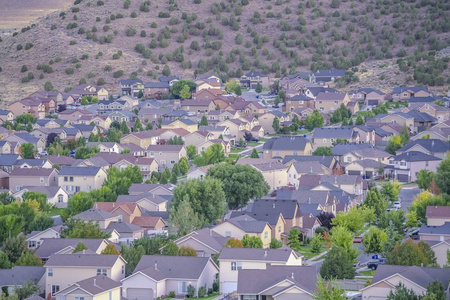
(377, 298)
(139, 294)
(229, 287)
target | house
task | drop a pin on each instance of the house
(434, 133)
(351, 184)
(205, 242)
(387, 277)
(127, 212)
(405, 167)
(277, 282)
(33, 106)
(435, 233)
(89, 90)
(35, 238)
(8, 161)
(156, 276)
(341, 150)
(33, 163)
(56, 195)
(406, 93)
(251, 80)
(7, 147)
(98, 216)
(432, 147)
(81, 179)
(206, 94)
(239, 226)
(441, 113)
(123, 115)
(437, 215)
(186, 124)
(298, 101)
(309, 225)
(286, 145)
(233, 260)
(60, 160)
(95, 288)
(4, 180)
(266, 120)
(422, 121)
(398, 118)
(50, 123)
(440, 249)
(6, 115)
(53, 245)
(130, 87)
(62, 270)
(370, 153)
(142, 139)
(18, 275)
(326, 75)
(166, 155)
(102, 121)
(328, 163)
(32, 176)
(147, 201)
(369, 96)
(127, 232)
(73, 115)
(197, 138)
(157, 189)
(327, 136)
(297, 169)
(169, 79)
(154, 90)
(329, 102)
(273, 171)
(25, 137)
(198, 173)
(367, 168)
(197, 106)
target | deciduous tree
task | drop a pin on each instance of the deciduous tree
(338, 264)
(374, 240)
(234, 243)
(443, 176)
(28, 259)
(183, 219)
(294, 239)
(314, 120)
(323, 151)
(110, 250)
(80, 247)
(27, 150)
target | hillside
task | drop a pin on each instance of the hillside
(101, 42)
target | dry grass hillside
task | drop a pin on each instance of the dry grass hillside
(96, 40)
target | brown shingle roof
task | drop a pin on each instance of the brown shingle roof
(112, 206)
(438, 212)
(42, 172)
(330, 96)
(147, 222)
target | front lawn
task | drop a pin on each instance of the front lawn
(210, 297)
(237, 150)
(306, 251)
(367, 273)
(263, 140)
(253, 144)
(55, 211)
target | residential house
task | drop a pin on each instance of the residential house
(102, 121)
(105, 146)
(123, 115)
(198, 106)
(25, 137)
(298, 101)
(297, 169)
(273, 171)
(351, 184)
(226, 145)
(130, 87)
(237, 127)
(186, 124)
(251, 80)
(34, 239)
(369, 96)
(234, 260)
(326, 75)
(328, 163)
(277, 282)
(441, 113)
(437, 215)
(166, 155)
(100, 217)
(6, 115)
(405, 167)
(18, 275)
(33, 106)
(406, 93)
(73, 115)
(327, 136)
(286, 145)
(89, 90)
(309, 225)
(55, 245)
(440, 249)
(157, 189)
(198, 172)
(435, 233)
(127, 232)
(375, 154)
(150, 202)
(432, 147)
(367, 168)
(266, 120)
(18, 178)
(4, 180)
(96, 288)
(127, 212)
(169, 79)
(341, 150)
(7, 148)
(155, 90)
(197, 138)
(205, 242)
(320, 200)
(63, 270)
(388, 277)
(50, 123)
(81, 179)
(217, 131)
(434, 133)
(8, 161)
(329, 102)
(422, 121)
(142, 139)
(237, 227)
(215, 116)
(56, 195)
(152, 114)
(156, 276)
(60, 160)
(33, 163)
(206, 94)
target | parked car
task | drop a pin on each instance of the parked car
(43, 153)
(255, 139)
(373, 264)
(414, 234)
(397, 205)
(358, 239)
(275, 106)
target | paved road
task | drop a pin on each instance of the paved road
(407, 195)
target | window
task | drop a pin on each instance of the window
(266, 235)
(65, 178)
(62, 298)
(426, 164)
(239, 266)
(84, 178)
(295, 176)
(152, 154)
(41, 179)
(324, 140)
(277, 153)
(101, 272)
(227, 233)
(172, 162)
(77, 189)
(403, 163)
(249, 297)
(336, 102)
(32, 244)
(123, 269)
(295, 153)
(233, 266)
(55, 289)
(60, 198)
(71, 178)
(89, 187)
(79, 298)
(349, 158)
(182, 287)
(391, 161)
(18, 188)
(279, 229)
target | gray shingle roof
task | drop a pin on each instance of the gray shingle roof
(43, 172)
(249, 254)
(333, 132)
(51, 246)
(207, 237)
(94, 285)
(400, 89)
(157, 199)
(31, 162)
(79, 171)
(286, 143)
(443, 229)
(81, 260)
(139, 188)
(415, 156)
(122, 227)
(421, 116)
(253, 282)
(432, 145)
(19, 274)
(342, 149)
(326, 161)
(50, 191)
(94, 215)
(248, 224)
(304, 196)
(182, 267)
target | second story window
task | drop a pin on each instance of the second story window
(65, 178)
(266, 235)
(101, 272)
(41, 179)
(233, 266)
(50, 272)
(71, 178)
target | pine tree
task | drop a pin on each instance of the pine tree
(138, 126)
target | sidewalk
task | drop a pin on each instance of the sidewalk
(311, 260)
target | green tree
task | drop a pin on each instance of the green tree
(254, 153)
(323, 151)
(238, 91)
(359, 120)
(185, 92)
(443, 175)
(183, 219)
(183, 165)
(251, 241)
(404, 135)
(173, 178)
(232, 85)
(259, 88)
(27, 289)
(206, 196)
(376, 201)
(48, 86)
(437, 290)
(80, 247)
(166, 70)
(411, 254)
(191, 151)
(240, 183)
(165, 176)
(413, 221)
(396, 217)
(41, 222)
(124, 128)
(393, 237)
(424, 178)
(110, 250)
(338, 264)
(328, 291)
(275, 244)
(27, 150)
(294, 239)
(171, 249)
(39, 197)
(138, 126)
(119, 181)
(132, 254)
(390, 191)
(176, 88)
(343, 238)
(28, 259)
(4, 261)
(276, 124)
(203, 121)
(187, 251)
(424, 199)
(314, 120)
(354, 219)
(316, 243)
(374, 240)
(213, 154)
(14, 247)
(79, 229)
(393, 145)
(402, 293)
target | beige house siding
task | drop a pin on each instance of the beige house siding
(17, 182)
(84, 183)
(437, 221)
(238, 233)
(267, 154)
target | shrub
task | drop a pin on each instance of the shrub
(73, 42)
(77, 2)
(24, 69)
(69, 71)
(53, 27)
(130, 31)
(163, 14)
(107, 68)
(98, 19)
(84, 56)
(19, 47)
(145, 6)
(143, 33)
(101, 81)
(75, 9)
(153, 25)
(201, 292)
(172, 294)
(133, 15)
(118, 74)
(191, 291)
(28, 46)
(57, 59)
(197, 1)
(126, 4)
(100, 3)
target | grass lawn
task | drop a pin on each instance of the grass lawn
(237, 150)
(263, 140)
(306, 251)
(55, 211)
(245, 90)
(319, 258)
(234, 156)
(253, 144)
(274, 134)
(367, 273)
(212, 296)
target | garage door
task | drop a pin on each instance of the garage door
(229, 287)
(254, 86)
(354, 172)
(402, 177)
(377, 298)
(139, 294)
(369, 174)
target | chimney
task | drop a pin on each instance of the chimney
(309, 200)
(265, 253)
(156, 265)
(273, 205)
(95, 282)
(210, 231)
(335, 179)
(292, 275)
(84, 251)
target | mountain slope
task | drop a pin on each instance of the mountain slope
(275, 36)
